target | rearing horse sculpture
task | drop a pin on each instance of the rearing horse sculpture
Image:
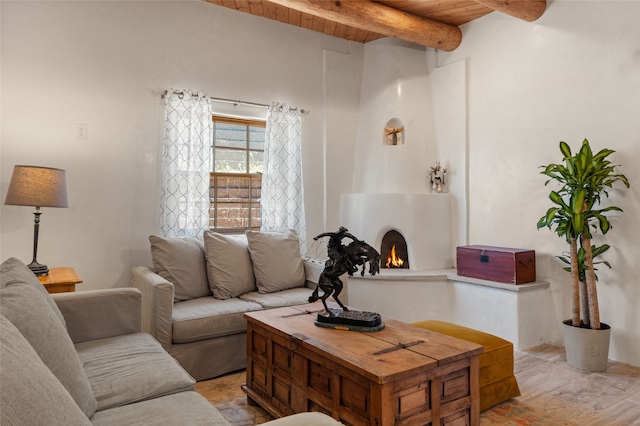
(343, 259)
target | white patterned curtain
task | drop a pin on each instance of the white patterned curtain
(186, 162)
(282, 198)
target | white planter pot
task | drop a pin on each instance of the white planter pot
(587, 349)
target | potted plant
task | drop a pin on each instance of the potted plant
(578, 213)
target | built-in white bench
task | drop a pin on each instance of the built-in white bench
(522, 314)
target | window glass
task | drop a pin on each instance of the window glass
(230, 161)
(230, 135)
(256, 160)
(236, 180)
(256, 135)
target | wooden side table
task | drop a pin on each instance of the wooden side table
(60, 280)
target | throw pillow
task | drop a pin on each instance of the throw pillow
(277, 263)
(27, 309)
(13, 271)
(229, 265)
(181, 261)
(30, 394)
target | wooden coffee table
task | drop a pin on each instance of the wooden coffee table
(402, 375)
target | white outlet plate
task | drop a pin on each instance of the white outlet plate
(82, 132)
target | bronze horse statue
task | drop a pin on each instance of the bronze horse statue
(343, 259)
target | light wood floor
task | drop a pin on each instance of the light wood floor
(570, 397)
(548, 383)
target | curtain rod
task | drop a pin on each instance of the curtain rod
(234, 102)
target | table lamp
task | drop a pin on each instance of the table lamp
(38, 187)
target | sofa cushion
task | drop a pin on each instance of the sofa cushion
(277, 263)
(181, 261)
(131, 368)
(13, 271)
(29, 393)
(208, 318)
(290, 297)
(229, 267)
(29, 311)
(184, 408)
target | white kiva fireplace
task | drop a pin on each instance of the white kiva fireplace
(415, 229)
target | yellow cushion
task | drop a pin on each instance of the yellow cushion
(497, 382)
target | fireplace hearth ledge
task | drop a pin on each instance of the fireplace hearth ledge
(397, 274)
(510, 287)
(522, 314)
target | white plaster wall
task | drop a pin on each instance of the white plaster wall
(572, 74)
(522, 317)
(401, 300)
(341, 100)
(394, 85)
(448, 94)
(104, 64)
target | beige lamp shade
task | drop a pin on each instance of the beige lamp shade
(38, 187)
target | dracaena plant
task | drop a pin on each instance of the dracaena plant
(577, 213)
(582, 274)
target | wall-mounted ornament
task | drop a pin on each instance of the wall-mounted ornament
(394, 132)
(436, 177)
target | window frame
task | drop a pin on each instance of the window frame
(248, 122)
(214, 201)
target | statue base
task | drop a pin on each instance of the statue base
(350, 320)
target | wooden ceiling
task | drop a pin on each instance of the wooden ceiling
(432, 23)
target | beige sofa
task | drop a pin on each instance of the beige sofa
(80, 358)
(195, 295)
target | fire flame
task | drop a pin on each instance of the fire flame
(393, 261)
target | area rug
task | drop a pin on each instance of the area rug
(225, 394)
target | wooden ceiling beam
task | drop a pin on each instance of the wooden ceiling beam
(370, 16)
(527, 10)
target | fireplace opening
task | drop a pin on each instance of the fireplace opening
(393, 251)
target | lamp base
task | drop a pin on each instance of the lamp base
(38, 269)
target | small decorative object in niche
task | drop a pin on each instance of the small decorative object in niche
(436, 176)
(394, 132)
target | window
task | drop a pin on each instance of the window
(236, 177)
